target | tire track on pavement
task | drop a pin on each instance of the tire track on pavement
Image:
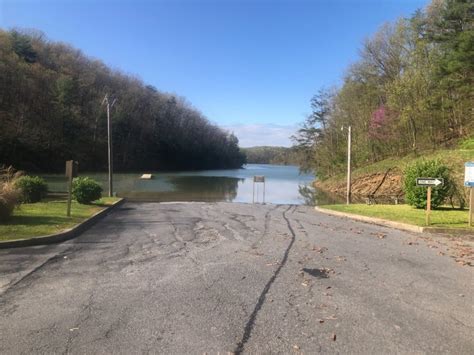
(261, 299)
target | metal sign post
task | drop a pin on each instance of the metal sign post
(430, 183)
(469, 182)
(71, 171)
(109, 142)
(348, 188)
(471, 207)
(258, 179)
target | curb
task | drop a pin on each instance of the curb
(464, 232)
(64, 235)
(398, 225)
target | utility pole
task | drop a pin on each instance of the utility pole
(109, 140)
(348, 192)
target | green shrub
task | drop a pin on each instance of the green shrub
(467, 143)
(416, 195)
(32, 188)
(85, 190)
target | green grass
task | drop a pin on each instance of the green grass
(43, 218)
(445, 217)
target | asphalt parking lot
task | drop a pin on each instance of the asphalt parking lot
(240, 278)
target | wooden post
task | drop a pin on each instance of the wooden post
(69, 195)
(471, 206)
(428, 206)
(69, 175)
(253, 193)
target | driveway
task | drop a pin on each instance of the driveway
(226, 277)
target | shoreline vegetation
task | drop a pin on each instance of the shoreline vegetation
(384, 180)
(408, 96)
(51, 95)
(272, 155)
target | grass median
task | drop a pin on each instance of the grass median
(37, 219)
(444, 217)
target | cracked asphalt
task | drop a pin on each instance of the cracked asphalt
(177, 278)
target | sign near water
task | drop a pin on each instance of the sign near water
(71, 171)
(469, 182)
(469, 174)
(257, 179)
(72, 168)
(284, 185)
(429, 182)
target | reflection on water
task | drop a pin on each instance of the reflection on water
(314, 197)
(188, 188)
(284, 184)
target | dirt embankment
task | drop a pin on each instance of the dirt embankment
(382, 185)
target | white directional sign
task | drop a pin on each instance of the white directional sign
(469, 174)
(256, 179)
(429, 182)
(469, 182)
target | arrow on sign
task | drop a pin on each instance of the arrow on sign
(429, 181)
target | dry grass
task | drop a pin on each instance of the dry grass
(9, 194)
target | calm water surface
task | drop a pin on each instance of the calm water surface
(284, 184)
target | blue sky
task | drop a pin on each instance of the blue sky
(251, 66)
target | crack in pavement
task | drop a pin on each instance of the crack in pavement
(87, 311)
(261, 299)
(195, 292)
(10, 286)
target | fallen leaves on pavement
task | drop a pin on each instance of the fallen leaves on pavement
(379, 235)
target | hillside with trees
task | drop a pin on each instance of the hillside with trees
(50, 111)
(409, 93)
(272, 155)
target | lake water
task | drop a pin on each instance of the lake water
(283, 185)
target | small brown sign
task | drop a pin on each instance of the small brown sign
(71, 168)
(259, 178)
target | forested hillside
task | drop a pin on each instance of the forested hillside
(410, 91)
(50, 111)
(272, 155)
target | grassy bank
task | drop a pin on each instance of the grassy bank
(453, 158)
(43, 218)
(366, 178)
(446, 217)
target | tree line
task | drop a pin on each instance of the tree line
(411, 90)
(50, 111)
(272, 155)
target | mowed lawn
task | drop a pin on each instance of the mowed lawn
(43, 218)
(445, 217)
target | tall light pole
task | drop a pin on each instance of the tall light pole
(109, 140)
(348, 187)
